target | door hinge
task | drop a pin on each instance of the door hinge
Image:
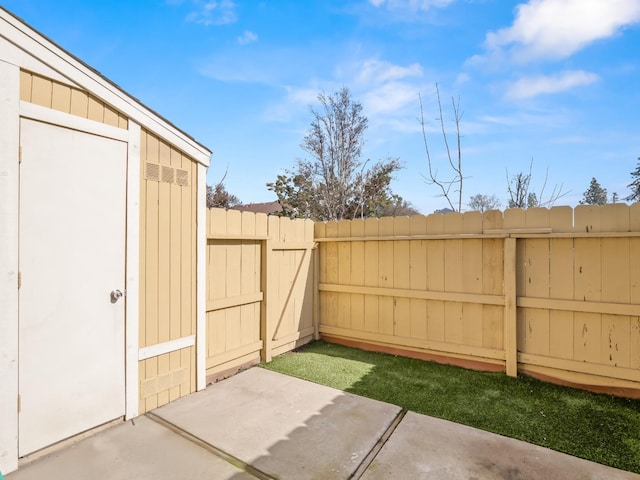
(19, 154)
(19, 280)
(19, 403)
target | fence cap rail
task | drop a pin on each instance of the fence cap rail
(445, 236)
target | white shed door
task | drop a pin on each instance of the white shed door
(72, 256)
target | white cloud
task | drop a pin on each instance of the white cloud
(302, 95)
(555, 29)
(376, 71)
(384, 88)
(410, 4)
(247, 37)
(528, 87)
(389, 98)
(461, 79)
(213, 12)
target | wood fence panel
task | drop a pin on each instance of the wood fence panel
(233, 288)
(561, 286)
(307, 317)
(472, 276)
(402, 277)
(320, 231)
(616, 329)
(371, 275)
(634, 282)
(418, 277)
(294, 304)
(435, 279)
(492, 282)
(588, 277)
(534, 329)
(453, 275)
(385, 279)
(344, 274)
(568, 307)
(472, 321)
(331, 257)
(259, 288)
(357, 274)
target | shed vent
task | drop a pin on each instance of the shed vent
(168, 174)
(165, 174)
(182, 177)
(152, 172)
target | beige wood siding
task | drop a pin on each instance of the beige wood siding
(550, 292)
(167, 269)
(64, 98)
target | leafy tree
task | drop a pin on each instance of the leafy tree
(334, 183)
(399, 207)
(219, 197)
(595, 194)
(635, 185)
(482, 203)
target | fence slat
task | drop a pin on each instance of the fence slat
(510, 315)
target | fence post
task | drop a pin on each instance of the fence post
(316, 291)
(265, 315)
(510, 308)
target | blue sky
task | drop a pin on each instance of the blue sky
(556, 81)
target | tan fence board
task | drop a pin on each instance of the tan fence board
(385, 276)
(344, 274)
(371, 302)
(357, 275)
(418, 278)
(402, 278)
(561, 219)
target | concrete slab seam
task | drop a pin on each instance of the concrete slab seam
(236, 462)
(373, 453)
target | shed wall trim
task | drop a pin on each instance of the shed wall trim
(9, 184)
(132, 272)
(166, 347)
(55, 117)
(20, 58)
(201, 281)
(54, 57)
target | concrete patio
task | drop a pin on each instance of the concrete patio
(261, 424)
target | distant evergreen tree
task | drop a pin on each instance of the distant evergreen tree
(635, 185)
(595, 194)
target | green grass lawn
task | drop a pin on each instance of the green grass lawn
(600, 428)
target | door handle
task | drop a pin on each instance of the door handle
(115, 295)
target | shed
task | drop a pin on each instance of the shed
(102, 238)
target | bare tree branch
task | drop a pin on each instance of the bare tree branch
(520, 195)
(445, 186)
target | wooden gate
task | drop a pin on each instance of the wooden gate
(260, 298)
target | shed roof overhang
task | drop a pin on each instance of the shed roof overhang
(21, 35)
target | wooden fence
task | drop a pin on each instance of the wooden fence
(259, 288)
(554, 293)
